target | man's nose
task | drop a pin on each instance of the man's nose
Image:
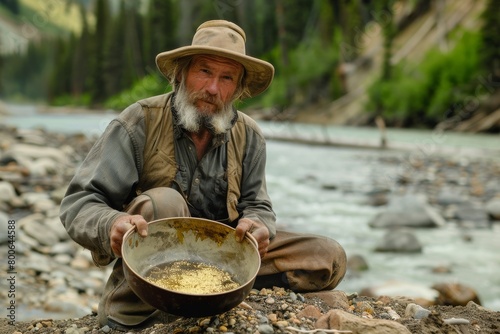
(212, 86)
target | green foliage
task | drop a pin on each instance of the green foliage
(424, 93)
(97, 67)
(11, 5)
(159, 32)
(150, 85)
(26, 76)
(111, 63)
(310, 66)
(491, 39)
(68, 100)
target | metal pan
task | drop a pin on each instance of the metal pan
(193, 240)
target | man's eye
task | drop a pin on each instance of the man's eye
(227, 77)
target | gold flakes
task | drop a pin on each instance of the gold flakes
(191, 277)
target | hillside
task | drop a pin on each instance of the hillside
(37, 18)
(311, 70)
(411, 45)
(63, 15)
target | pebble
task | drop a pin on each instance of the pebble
(265, 329)
(204, 322)
(72, 330)
(456, 321)
(282, 323)
(48, 259)
(262, 319)
(416, 311)
(245, 306)
(272, 317)
(364, 307)
(391, 313)
(106, 329)
(270, 300)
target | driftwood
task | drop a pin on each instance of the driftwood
(480, 122)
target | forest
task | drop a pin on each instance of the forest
(314, 45)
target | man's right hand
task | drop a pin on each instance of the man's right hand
(121, 225)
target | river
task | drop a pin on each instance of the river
(322, 189)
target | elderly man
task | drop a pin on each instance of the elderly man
(190, 153)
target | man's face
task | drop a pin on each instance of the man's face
(211, 82)
(206, 94)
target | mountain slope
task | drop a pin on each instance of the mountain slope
(411, 44)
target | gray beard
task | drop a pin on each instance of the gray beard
(193, 120)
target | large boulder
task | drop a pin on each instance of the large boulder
(493, 208)
(455, 294)
(399, 241)
(4, 235)
(447, 196)
(7, 192)
(345, 321)
(407, 211)
(39, 160)
(393, 288)
(473, 214)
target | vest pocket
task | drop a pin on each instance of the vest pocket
(221, 184)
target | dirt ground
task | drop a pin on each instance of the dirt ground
(284, 314)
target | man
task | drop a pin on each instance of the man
(190, 153)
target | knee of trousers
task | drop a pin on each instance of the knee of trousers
(157, 203)
(339, 263)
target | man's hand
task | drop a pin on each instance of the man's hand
(121, 225)
(257, 229)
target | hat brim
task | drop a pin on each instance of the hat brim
(258, 73)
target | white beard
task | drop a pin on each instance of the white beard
(192, 119)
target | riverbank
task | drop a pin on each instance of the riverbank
(280, 311)
(56, 282)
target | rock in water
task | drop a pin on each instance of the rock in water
(455, 294)
(400, 241)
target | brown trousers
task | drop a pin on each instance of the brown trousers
(301, 262)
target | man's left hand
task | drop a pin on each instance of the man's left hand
(257, 229)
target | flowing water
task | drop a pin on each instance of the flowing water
(322, 190)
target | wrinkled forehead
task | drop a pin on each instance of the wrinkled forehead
(223, 63)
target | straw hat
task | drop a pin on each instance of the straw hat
(225, 39)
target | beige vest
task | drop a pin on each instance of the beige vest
(160, 166)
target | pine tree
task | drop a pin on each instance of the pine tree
(133, 42)
(115, 54)
(97, 80)
(11, 5)
(160, 32)
(386, 20)
(60, 71)
(491, 39)
(80, 59)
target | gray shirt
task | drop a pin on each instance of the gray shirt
(105, 182)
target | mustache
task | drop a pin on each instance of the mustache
(213, 99)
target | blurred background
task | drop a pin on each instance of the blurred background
(413, 63)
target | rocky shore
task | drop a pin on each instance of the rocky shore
(54, 287)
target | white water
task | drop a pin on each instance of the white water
(297, 174)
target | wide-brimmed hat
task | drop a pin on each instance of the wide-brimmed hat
(225, 39)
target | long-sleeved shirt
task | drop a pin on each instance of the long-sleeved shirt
(105, 182)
